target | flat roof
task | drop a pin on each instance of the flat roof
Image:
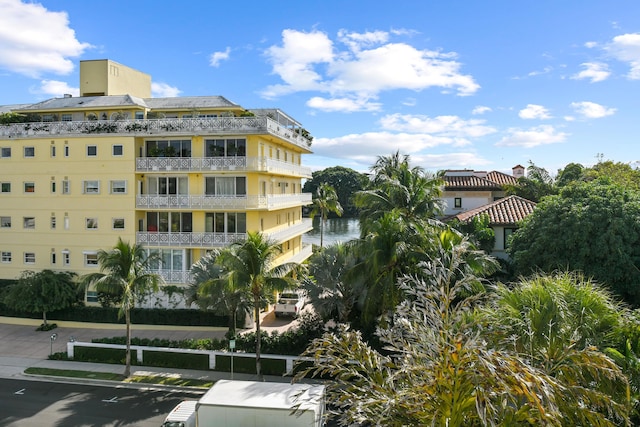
(256, 394)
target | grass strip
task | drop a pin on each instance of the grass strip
(169, 380)
(75, 374)
(143, 379)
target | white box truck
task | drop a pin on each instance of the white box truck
(183, 415)
(257, 404)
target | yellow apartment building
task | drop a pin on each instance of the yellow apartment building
(178, 176)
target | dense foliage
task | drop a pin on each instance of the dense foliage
(345, 181)
(592, 227)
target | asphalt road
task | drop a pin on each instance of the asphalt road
(25, 403)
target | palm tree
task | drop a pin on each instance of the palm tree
(332, 295)
(562, 324)
(325, 200)
(213, 290)
(251, 264)
(125, 269)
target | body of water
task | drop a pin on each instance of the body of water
(335, 230)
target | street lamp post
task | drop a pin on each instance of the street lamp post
(232, 347)
(53, 338)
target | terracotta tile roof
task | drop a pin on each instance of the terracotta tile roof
(506, 211)
(469, 182)
(501, 178)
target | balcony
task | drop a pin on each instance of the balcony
(306, 252)
(205, 202)
(188, 239)
(289, 231)
(216, 164)
(159, 127)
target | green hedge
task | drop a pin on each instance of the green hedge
(166, 359)
(102, 355)
(141, 316)
(247, 365)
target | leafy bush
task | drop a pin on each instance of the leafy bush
(102, 355)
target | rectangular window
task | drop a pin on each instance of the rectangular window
(117, 150)
(169, 148)
(66, 258)
(164, 222)
(92, 296)
(118, 223)
(29, 151)
(66, 151)
(457, 202)
(29, 222)
(230, 147)
(90, 259)
(53, 186)
(53, 151)
(168, 185)
(118, 187)
(66, 187)
(29, 258)
(139, 115)
(53, 257)
(5, 152)
(48, 118)
(5, 222)
(53, 222)
(226, 222)
(29, 187)
(92, 150)
(66, 117)
(5, 187)
(91, 223)
(5, 256)
(91, 187)
(226, 186)
(66, 222)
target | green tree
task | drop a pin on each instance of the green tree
(331, 293)
(479, 230)
(325, 200)
(212, 290)
(250, 264)
(589, 227)
(345, 181)
(436, 369)
(42, 292)
(614, 172)
(571, 173)
(561, 324)
(125, 269)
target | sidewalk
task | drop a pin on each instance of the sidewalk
(21, 347)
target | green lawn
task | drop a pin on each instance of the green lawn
(145, 379)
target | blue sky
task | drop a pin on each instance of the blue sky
(454, 84)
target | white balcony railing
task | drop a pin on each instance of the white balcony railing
(287, 232)
(197, 126)
(272, 201)
(204, 164)
(188, 239)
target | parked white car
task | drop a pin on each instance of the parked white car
(290, 303)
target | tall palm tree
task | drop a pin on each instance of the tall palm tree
(251, 263)
(213, 290)
(125, 269)
(325, 200)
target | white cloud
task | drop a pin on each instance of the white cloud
(34, 40)
(452, 126)
(217, 57)
(532, 137)
(481, 109)
(533, 111)
(591, 110)
(163, 90)
(56, 89)
(594, 71)
(367, 65)
(345, 105)
(365, 147)
(626, 48)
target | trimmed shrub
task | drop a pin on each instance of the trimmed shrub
(175, 360)
(102, 355)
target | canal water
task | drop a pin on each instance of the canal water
(335, 230)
